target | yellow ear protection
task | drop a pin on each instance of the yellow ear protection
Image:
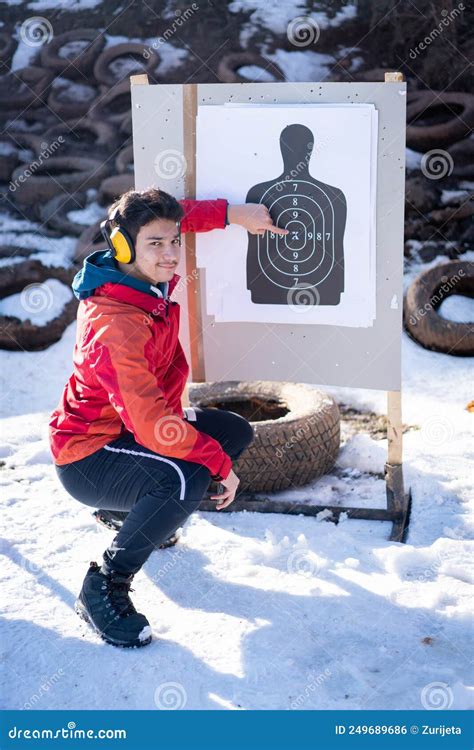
(118, 240)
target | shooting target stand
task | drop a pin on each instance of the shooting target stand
(175, 108)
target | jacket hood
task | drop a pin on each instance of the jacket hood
(100, 268)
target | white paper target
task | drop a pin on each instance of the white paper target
(314, 167)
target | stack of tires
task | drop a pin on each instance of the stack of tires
(439, 213)
(65, 155)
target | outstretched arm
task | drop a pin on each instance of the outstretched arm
(202, 216)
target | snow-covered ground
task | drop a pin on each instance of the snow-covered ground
(251, 611)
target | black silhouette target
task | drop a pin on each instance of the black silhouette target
(306, 266)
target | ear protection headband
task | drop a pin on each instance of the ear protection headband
(118, 240)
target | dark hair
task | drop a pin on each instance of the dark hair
(139, 207)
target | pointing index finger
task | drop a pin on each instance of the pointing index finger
(277, 230)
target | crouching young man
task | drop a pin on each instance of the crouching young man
(120, 439)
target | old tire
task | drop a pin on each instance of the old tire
(84, 134)
(124, 160)
(109, 71)
(9, 158)
(80, 62)
(57, 175)
(114, 105)
(462, 154)
(421, 319)
(438, 118)
(229, 66)
(66, 104)
(296, 429)
(23, 88)
(89, 241)
(54, 212)
(113, 187)
(25, 335)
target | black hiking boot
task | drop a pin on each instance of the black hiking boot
(113, 519)
(104, 603)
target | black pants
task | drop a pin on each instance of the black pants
(159, 492)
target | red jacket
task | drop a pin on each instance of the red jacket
(129, 368)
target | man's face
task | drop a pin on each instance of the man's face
(157, 251)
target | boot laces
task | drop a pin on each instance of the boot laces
(117, 592)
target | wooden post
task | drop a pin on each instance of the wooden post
(397, 501)
(141, 79)
(395, 77)
(196, 343)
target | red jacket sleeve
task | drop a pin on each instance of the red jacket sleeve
(202, 216)
(126, 374)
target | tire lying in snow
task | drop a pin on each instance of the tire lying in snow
(56, 175)
(438, 118)
(123, 60)
(71, 100)
(124, 160)
(23, 88)
(90, 240)
(113, 187)
(73, 52)
(9, 157)
(54, 213)
(83, 136)
(26, 277)
(230, 65)
(114, 105)
(296, 429)
(423, 298)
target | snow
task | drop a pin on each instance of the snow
(302, 65)
(170, 55)
(24, 53)
(454, 196)
(275, 15)
(88, 215)
(39, 303)
(63, 4)
(73, 91)
(458, 308)
(6, 148)
(412, 159)
(51, 251)
(250, 611)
